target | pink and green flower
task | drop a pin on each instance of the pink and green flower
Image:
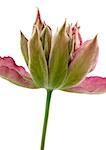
(61, 61)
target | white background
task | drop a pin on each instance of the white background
(77, 121)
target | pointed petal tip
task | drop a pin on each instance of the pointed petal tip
(38, 15)
(38, 19)
(21, 34)
(64, 24)
(95, 40)
(63, 28)
(76, 24)
(96, 37)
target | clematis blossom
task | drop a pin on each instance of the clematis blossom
(61, 61)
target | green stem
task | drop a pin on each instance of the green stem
(49, 92)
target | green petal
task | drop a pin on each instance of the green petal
(46, 41)
(82, 62)
(24, 47)
(58, 61)
(37, 62)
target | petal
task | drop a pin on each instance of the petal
(93, 65)
(58, 61)
(69, 30)
(24, 47)
(15, 74)
(81, 48)
(37, 60)
(82, 63)
(38, 21)
(71, 41)
(46, 37)
(91, 85)
(76, 36)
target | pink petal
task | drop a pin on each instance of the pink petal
(91, 85)
(15, 74)
(38, 21)
(74, 31)
(78, 41)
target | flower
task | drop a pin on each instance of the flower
(61, 61)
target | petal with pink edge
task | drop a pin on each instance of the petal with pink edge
(75, 53)
(15, 74)
(76, 36)
(91, 85)
(82, 63)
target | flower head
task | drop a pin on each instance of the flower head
(61, 61)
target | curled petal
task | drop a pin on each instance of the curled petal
(91, 85)
(76, 36)
(15, 74)
(75, 39)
